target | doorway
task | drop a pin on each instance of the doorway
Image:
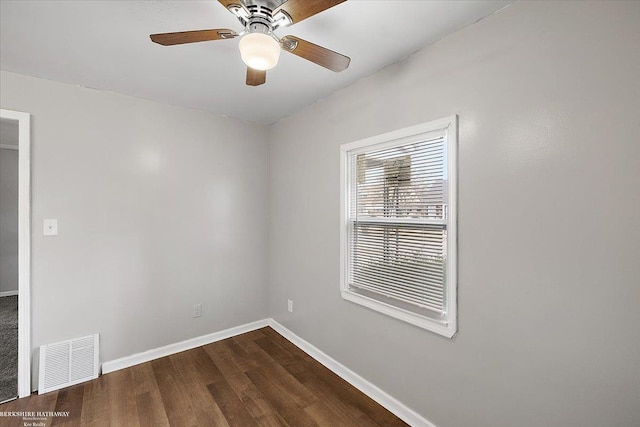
(15, 348)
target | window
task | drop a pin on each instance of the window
(398, 236)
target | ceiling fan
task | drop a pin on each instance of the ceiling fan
(259, 46)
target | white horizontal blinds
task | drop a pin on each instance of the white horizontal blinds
(398, 219)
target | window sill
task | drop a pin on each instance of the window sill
(424, 322)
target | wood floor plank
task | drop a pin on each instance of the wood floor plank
(233, 362)
(69, 400)
(291, 362)
(222, 359)
(232, 407)
(254, 401)
(151, 411)
(254, 379)
(277, 374)
(246, 341)
(324, 416)
(95, 406)
(242, 358)
(285, 343)
(175, 398)
(122, 402)
(280, 398)
(196, 374)
(149, 404)
(208, 371)
(272, 420)
(144, 380)
(45, 403)
(334, 401)
(284, 380)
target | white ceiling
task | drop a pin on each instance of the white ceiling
(105, 45)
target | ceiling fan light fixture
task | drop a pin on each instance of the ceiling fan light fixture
(259, 46)
(259, 51)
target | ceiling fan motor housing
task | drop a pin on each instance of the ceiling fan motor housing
(257, 26)
(259, 16)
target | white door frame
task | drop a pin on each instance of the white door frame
(24, 248)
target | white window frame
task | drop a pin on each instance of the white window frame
(447, 127)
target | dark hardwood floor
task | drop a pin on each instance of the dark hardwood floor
(255, 379)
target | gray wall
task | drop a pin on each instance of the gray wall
(548, 97)
(8, 207)
(158, 208)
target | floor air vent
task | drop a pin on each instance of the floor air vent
(67, 363)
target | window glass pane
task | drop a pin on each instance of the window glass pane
(403, 182)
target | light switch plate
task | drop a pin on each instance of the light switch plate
(50, 227)
(197, 310)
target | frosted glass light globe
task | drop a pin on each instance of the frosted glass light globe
(259, 51)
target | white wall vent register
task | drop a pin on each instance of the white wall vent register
(67, 363)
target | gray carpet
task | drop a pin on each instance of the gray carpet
(8, 347)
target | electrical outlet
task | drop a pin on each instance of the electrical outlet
(197, 310)
(290, 306)
(50, 227)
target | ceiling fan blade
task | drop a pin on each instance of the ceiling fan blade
(303, 9)
(256, 77)
(227, 3)
(314, 53)
(169, 39)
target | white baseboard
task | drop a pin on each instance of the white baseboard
(389, 402)
(156, 353)
(8, 293)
